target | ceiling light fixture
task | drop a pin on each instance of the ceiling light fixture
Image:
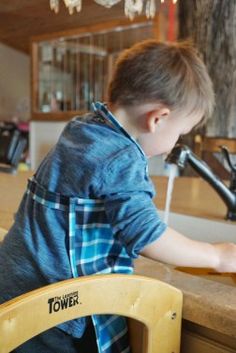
(131, 7)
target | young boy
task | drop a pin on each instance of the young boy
(89, 207)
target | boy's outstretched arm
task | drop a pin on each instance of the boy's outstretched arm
(176, 249)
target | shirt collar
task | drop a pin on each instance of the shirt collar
(102, 110)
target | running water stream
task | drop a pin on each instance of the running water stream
(173, 170)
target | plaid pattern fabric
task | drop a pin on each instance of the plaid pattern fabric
(93, 249)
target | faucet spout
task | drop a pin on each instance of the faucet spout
(181, 155)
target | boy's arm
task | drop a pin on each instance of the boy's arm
(176, 249)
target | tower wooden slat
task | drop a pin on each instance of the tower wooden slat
(155, 304)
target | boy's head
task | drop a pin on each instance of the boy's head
(168, 74)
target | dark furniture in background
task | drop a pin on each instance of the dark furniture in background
(12, 146)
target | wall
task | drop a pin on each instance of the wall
(43, 136)
(14, 84)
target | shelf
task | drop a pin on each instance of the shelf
(71, 71)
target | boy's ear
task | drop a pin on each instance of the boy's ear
(155, 117)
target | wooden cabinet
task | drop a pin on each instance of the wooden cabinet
(71, 69)
(199, 339)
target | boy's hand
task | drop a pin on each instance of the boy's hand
(227, 257)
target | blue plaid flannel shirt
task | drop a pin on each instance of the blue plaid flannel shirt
(91, 241)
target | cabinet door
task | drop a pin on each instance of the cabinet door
(195, 343)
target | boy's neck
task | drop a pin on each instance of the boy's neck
(126, 119)
(131, 118)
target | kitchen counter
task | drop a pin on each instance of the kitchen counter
(12, 187)
(207, 303)
(191, 196)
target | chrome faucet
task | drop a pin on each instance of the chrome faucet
(182, 154)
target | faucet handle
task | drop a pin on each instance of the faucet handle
(226, 153)
(232, 167)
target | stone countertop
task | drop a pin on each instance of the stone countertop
(206, 303)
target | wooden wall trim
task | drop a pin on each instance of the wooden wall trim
(99, 27)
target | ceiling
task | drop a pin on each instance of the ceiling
(22, 19)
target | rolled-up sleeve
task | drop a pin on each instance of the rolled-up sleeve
(128, 201)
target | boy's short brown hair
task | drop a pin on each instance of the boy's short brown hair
(170, 73)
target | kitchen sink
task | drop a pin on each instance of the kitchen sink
(205, 230)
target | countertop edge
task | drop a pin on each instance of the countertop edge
(206, 303)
